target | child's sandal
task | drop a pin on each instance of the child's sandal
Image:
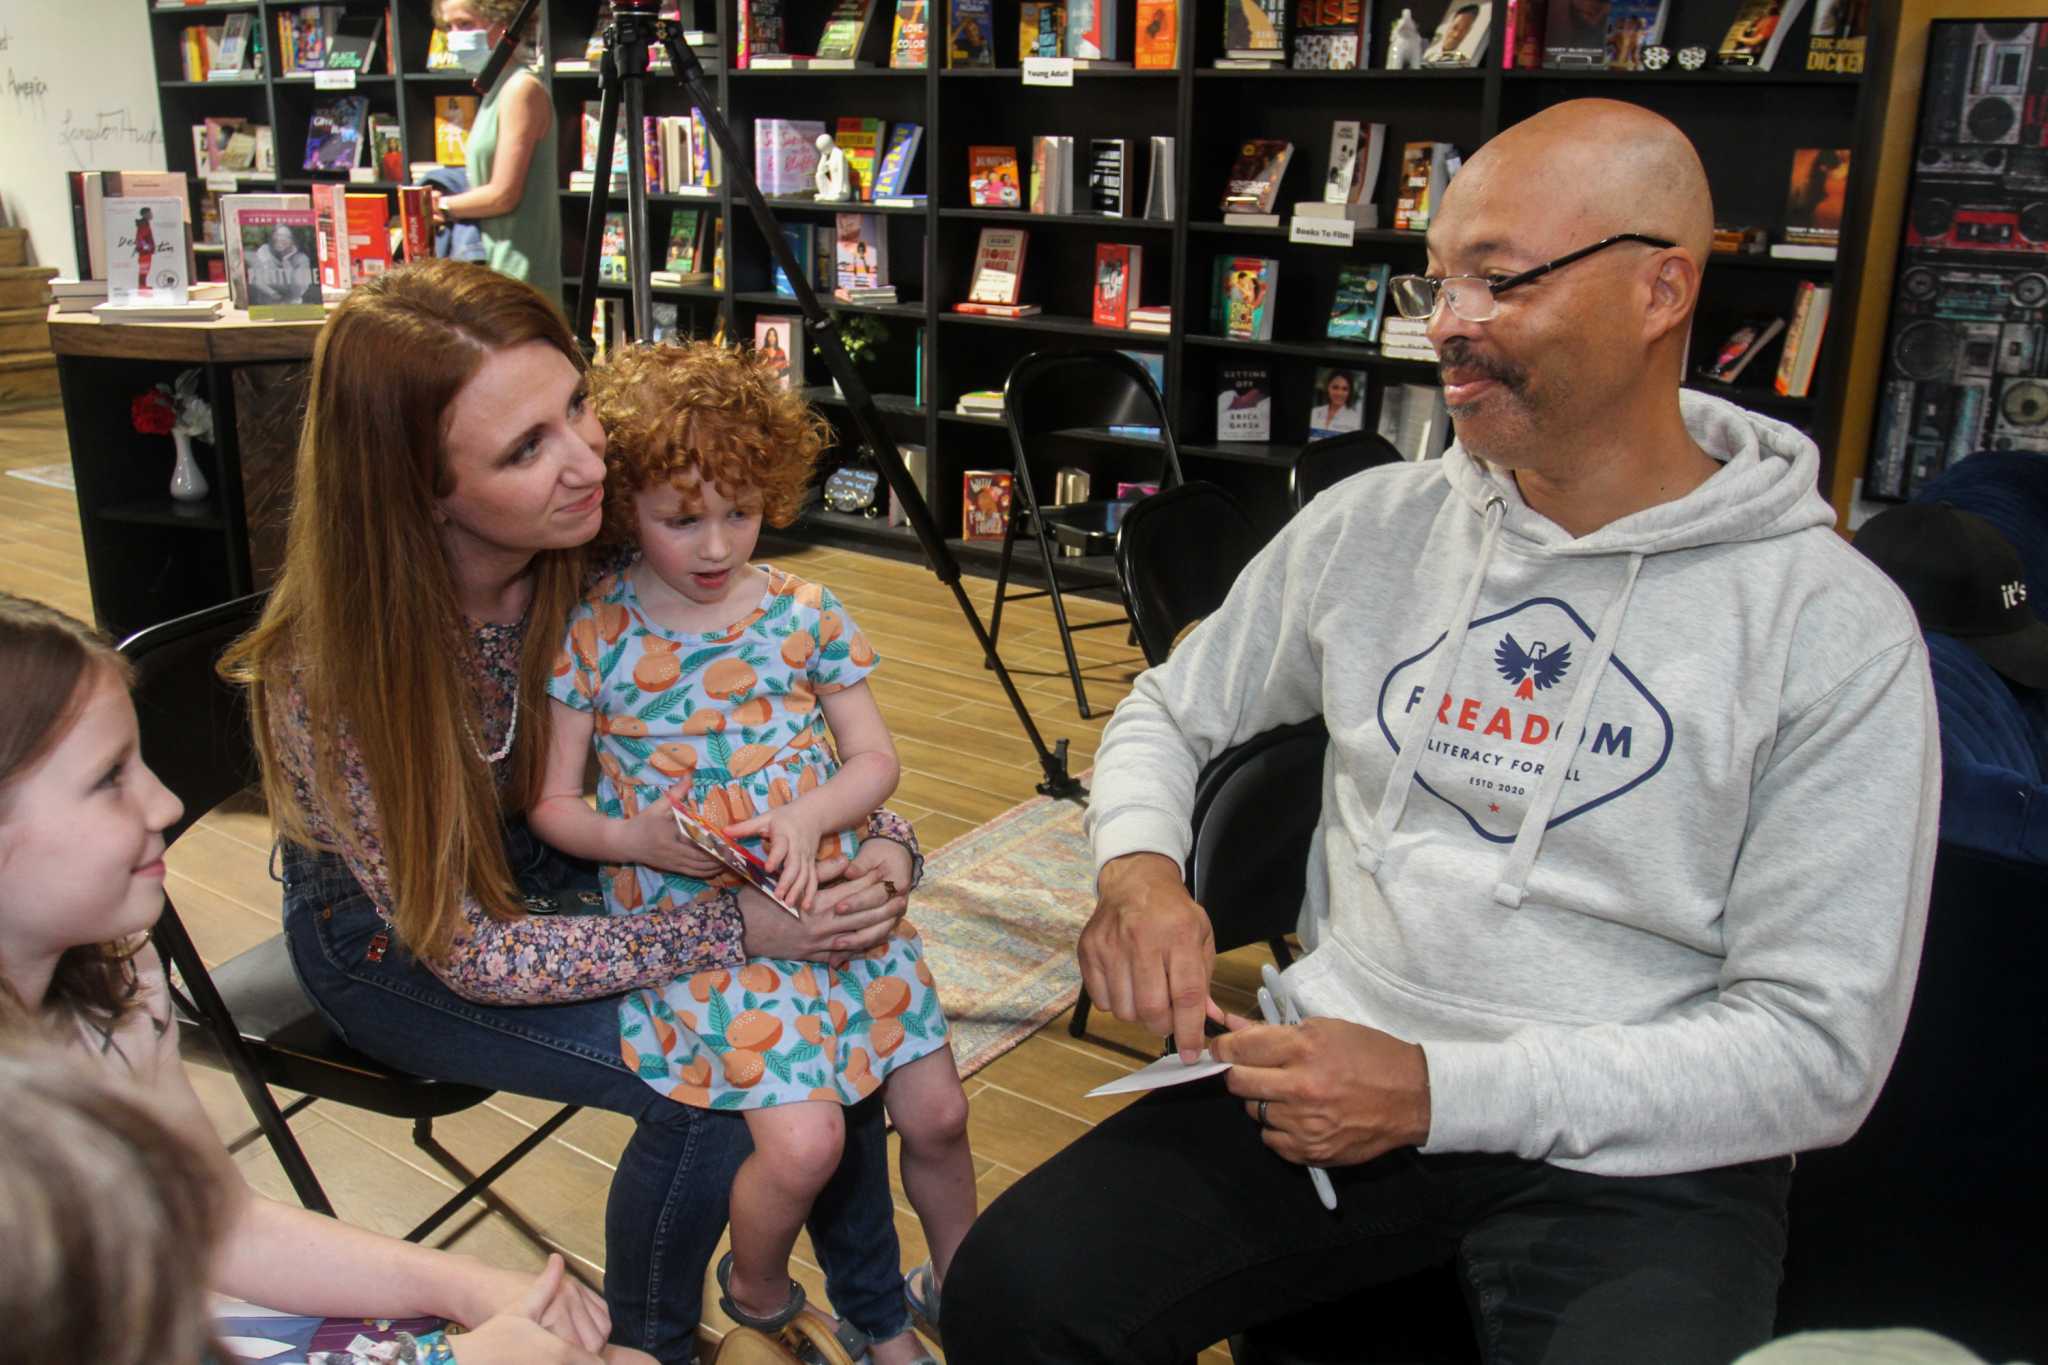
(921, 1294)
(773, 1322)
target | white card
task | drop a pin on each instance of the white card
(1168, 1070)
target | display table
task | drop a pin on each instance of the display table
(148, 557)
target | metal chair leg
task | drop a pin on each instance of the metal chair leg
(995, 617)
(423, 1138)
(1059, 612)
(1078, 1026)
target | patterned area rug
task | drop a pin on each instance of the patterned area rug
(48, 475)
(1000, 910)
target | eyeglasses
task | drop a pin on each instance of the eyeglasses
(1475, 298)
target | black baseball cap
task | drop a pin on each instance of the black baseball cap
(1963, 579)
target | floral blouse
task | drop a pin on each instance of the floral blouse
(532, 959)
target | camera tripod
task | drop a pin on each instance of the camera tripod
(635, 29)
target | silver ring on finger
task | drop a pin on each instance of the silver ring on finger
(1262, 1114)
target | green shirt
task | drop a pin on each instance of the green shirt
(527, 242)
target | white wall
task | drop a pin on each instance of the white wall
(79, 94)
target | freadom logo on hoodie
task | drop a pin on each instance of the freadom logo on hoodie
(1491, 736)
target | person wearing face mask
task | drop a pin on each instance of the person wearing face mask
(511, 156)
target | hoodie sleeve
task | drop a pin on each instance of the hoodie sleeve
(1822, 925)
(1250, 666)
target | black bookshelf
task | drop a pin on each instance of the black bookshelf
(1745, 140)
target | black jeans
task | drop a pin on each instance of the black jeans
(1170, 1227)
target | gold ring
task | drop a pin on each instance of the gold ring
(1262, 1114)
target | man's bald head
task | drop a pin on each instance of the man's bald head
(1587, 169)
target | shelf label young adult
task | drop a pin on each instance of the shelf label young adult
(1322, 231)
(1048, 71)
(344, 79)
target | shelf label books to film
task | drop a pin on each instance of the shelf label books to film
(1322, 231)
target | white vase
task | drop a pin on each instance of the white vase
(188, 484)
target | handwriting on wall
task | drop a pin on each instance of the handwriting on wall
(90, 136)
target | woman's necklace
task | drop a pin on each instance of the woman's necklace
(511, 731)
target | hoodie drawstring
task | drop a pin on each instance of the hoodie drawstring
(1394, 800)
(1564, 743)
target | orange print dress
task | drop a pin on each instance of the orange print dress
(734, 715)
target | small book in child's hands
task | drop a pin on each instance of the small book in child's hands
(750, 869)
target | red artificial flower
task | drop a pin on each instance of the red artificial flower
(153, 413)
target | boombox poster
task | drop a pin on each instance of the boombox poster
(1965, 368)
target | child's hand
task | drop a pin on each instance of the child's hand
(792, 834)
(655, 840)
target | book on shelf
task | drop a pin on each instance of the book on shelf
(233, 53)
(279, 275)
(992, 180)
(1255, 177)
(1803, 251)
(980, 403)
(718, 257)
(89, 192)
(1521, 37)
(998, 310)
(233, 207)
(439, 58)
(1426, 168)
(607, 326)
(779, 340)
(1414, 418)
(910, 38)
(1041, 29)
(1575, 35)
(330, 218)
(149, 258)
(387, 148)
(192, 310)
(1255, 30)
(1155, 41)
(683, 262)
(1339, 404)
(886, 294)
(1407, 339)
(1359, 304)
(611, 250)
(811, 244)
(985, 504)
(1119, 282)
(786, 155)
(454, 116)
(1157, 318)
(334, 133)
(666, 324)
(1632, 26)
(302, 36)
(998, 266)
(845, 27)
(917, 462)
(861, 252)
(1109, 160)
(861, 139)
(970, 33)
(1332, 35)
(1244, 403)
(1460, 39)
(199, 50)
(1742, 345)
(78, 296)
(1243, 295)
(1802, 339)
(1758, 31)
(415, 223)
(892, 175)
(1159, 201)
(353, 40)
(900, 201)
(1091, 30)
(762, 29)
(780, 61)
(1840, 30)
(1353, 177)
(1815, 196)
(1052, 174)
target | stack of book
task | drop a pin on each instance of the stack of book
(1354, 175)
(1154, 318)
(861, 260)
(682, 156)
(980, 403)
(1406, 339)
(684, 263)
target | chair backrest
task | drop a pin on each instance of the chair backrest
(1177, 553)
(1055, 400)
(1255, 813)
(1331, 459)
(195, 724)
(2009, 489)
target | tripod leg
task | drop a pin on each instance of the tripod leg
(600, 197)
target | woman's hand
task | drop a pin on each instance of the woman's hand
(654, 839)
(861, 891)
(549, 1318)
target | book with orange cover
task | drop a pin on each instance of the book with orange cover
(992, 179)
(1157, 41)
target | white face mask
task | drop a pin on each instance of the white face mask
(471, 47)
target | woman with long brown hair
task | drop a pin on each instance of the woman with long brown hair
(449, 474)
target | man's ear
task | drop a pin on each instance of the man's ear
(1674, 289)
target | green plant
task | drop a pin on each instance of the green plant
(862, 336)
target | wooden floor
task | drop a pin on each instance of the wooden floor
(965, 760)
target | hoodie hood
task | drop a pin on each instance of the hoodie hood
(1767, 486)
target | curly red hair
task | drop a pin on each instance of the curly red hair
(685, 413)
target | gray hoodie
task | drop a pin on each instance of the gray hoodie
(1632, 832)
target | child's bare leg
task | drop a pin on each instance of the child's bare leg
(796, 1149)
(929, 1109)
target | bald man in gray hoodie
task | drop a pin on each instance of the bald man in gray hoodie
(1628, 824)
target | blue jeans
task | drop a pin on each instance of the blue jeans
(668, 1202)
(1170, 1226)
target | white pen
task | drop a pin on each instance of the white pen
(1269, 994)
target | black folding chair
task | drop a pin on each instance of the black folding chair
(1177, 555)
(1333, 458)
(251, 1018)
(1060, 406)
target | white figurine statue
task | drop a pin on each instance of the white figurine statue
(1404, 44)
(830, 176)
